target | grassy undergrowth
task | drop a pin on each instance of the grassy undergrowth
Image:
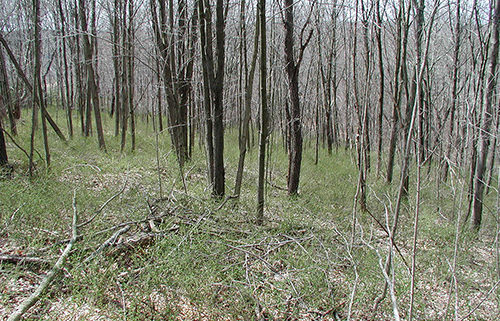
(209, 261)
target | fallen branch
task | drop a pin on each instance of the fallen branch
(276, 186)
(33, 298)
(103, 206)
(21, 259)
(108, 242)
(481, 302)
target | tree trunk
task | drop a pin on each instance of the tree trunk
(247, 109)
(292, 69)
(380, 118)
(92, 94)
(69, 102)
(263, 113)
(477, 207)
(37, 83)
(218, 88)
(3, 148)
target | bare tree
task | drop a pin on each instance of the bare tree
(177, 69)
(214, 89)
(292, 67)
(92, 93)
(263, 112)
(487, 118)
(249, 79)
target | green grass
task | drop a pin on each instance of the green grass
(218, 264)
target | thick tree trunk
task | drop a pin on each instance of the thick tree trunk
(295, 135)
(218, 88)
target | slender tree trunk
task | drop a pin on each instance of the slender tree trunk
(117, 101)
(249, 79)
(380, 118)
(4, 102)
(3, 147)
(477, 207)
(454, 90)
(206, 58)
(125, 112)
(69, 102)
(37, 82)
(5, 92)
(92, 94)
(263, 113)
(398, 87)
(130, 73)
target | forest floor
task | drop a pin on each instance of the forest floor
(147, 252)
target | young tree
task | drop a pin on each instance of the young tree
(38, 93)
(4, 101)
(65, 91)
(247, 110)
(3, 147)
(263, 113)
(177, 68)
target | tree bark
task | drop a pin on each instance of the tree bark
(479, 184)
(263, 113)
(292, 68)
(247, 109)
(92, 94)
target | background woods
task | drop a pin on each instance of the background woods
(344, 129)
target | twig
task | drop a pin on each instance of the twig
(33, 298)
(19, 146)
(103, 206)
(108, 242)
(225, 201)
(15, 212)
(276, 186)
(482, 301)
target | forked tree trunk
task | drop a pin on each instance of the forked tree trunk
(92, 94)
